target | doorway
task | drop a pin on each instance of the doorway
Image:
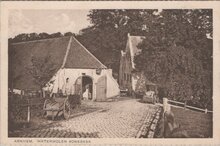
(84, 87)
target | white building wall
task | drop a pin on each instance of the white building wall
(112, 86)
(74, 74)
(134, 80)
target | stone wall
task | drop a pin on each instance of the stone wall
(148, 129)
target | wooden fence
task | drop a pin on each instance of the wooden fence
(183, 105)
(25, 108)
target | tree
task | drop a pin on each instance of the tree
(44, 35)
(107, 35)
(35, 36)
(69, 34)
(41, 69)
(177, 54)
(20, 38)
(55, 35)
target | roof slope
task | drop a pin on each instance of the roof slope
(23, 52)
(134, 41)
(80, 57)
(65, 51)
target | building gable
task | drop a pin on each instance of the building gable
(126, 79)
(65, 52)
(132, 45)
(22, 55)
(80, 57)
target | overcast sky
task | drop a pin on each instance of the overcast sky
(49, 21)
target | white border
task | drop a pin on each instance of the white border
(215, 5)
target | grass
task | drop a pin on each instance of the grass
(197, 124)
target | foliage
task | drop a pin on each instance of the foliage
(41, 69)
(69, 34)
(108, 33)
(177, 55)
(35, 36)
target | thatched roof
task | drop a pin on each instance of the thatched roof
(80, 57)
(64, 52)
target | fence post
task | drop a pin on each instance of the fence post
(43, 93)
(184, 105)
(165, 104)
(206, 110)
(28, 116)
(22, 94)
(166, 108)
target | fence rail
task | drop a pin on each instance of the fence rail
(172, 101)
(188, 106)
(28, 104)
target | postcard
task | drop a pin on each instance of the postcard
(110, 72)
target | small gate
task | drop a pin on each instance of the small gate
(101, 89)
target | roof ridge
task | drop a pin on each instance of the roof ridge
(88, 51)
(67, 52)
(131, 51)
(40, 40)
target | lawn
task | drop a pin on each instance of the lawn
(197, 124)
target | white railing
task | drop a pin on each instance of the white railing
(184, 105)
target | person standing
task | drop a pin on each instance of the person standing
(86, 93)
(67, 87)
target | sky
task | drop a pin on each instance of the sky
(49, 21)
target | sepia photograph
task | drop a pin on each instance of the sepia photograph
(110, 73)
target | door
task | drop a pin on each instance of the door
(78, 86)
(101, 89)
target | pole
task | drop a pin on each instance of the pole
(29, 113)
(206, 110)
(165, 104)
(184, 105)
